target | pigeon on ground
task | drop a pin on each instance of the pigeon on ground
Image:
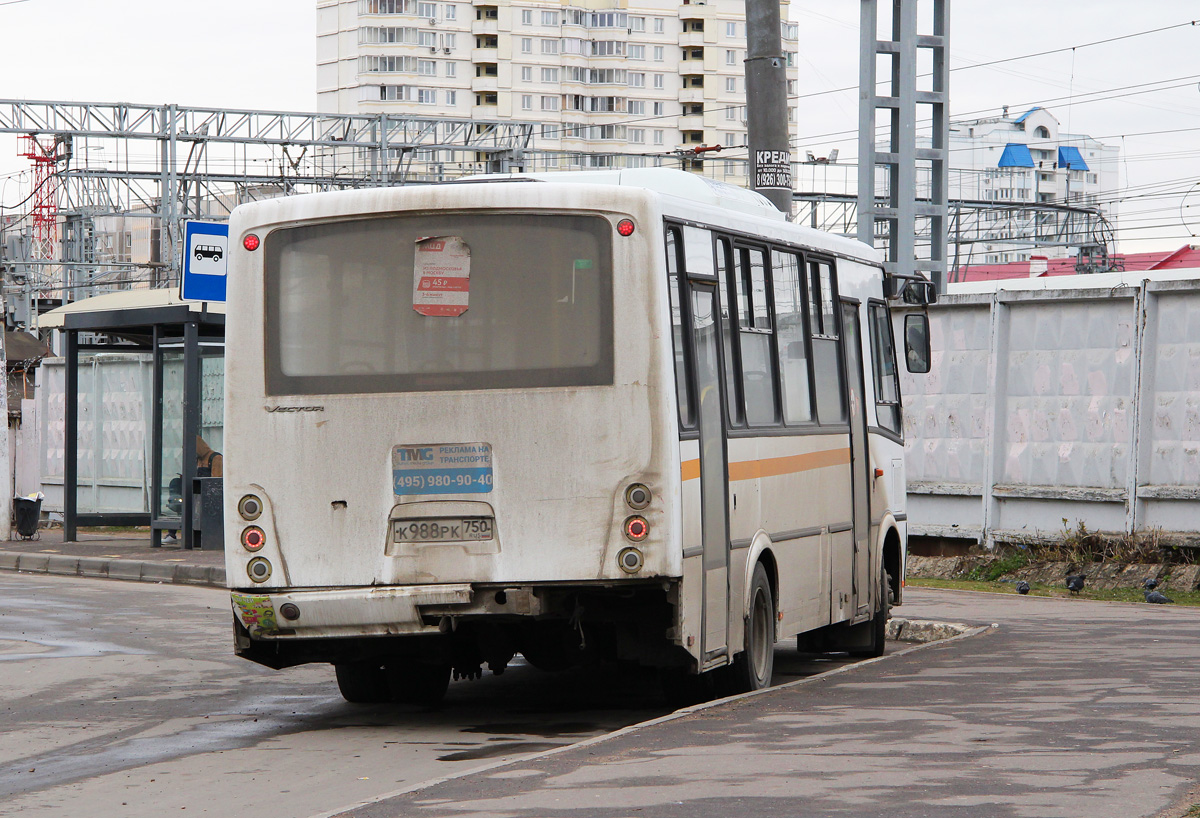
(1150, 584)
(1075, 583)
(1156, 598)
(1022, 587)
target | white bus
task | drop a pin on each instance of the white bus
(633, 415)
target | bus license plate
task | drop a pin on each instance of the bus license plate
(442, 529)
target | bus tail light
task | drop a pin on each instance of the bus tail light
(253, 538)
(250, 507)
(636, 528)
(630, 560)
(637, 496)
(259, 569)
(250, 242)
(625, 227)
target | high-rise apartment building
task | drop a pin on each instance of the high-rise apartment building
(1027, 159)
(609, 83)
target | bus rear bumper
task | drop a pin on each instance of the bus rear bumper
(374, 611)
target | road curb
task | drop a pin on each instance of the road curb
(212, 576)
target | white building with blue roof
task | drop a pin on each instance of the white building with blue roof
(1028, 159)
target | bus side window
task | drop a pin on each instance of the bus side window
(687, 418)
(826, 347)
(733, 385)
(698, 252)
(883, 358)
(790, 337)
(754, 337)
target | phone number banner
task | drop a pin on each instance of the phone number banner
(772, 169)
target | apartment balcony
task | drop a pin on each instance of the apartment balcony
(484, 55)
(490, 26)
(691, 39)
(485, 84)
(687, 95)
(607, 62)
(697, 11)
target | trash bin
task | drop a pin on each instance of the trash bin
(208, 514)
(29, 514)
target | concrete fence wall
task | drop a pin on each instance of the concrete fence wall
(1048, 405)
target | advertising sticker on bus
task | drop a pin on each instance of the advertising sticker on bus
(442, 468)
(441, 276)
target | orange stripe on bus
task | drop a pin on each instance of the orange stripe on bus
(774, 466)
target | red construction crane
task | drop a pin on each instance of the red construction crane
(45, 192)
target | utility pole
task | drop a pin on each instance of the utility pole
(766, 104)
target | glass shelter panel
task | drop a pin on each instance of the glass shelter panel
(212, 395)
(112, 432)
(169, 503)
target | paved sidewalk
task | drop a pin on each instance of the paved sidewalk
(1069, 708)
(115, 555)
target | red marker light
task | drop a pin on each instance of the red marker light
(625, 227)
(636, 528)
(253, 538)
(250, 242)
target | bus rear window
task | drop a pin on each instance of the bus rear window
(528, 303)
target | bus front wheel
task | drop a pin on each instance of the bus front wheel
(362, 682)
(878, 623)
(752, 668)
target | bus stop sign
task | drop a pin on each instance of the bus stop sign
(205, 261)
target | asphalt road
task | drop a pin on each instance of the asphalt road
(124, 699)
(1069, 708)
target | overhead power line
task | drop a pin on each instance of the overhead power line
(1075, 47)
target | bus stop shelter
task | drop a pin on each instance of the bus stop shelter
(186, 343)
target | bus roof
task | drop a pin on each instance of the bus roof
(694, 190)
(667, 181)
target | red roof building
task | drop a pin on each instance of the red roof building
(1186, 257)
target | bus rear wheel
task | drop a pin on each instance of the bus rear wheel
(362, 682)
(753, 667)
(422, 683)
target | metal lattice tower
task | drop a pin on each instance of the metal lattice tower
(144, 169)
(912, 199)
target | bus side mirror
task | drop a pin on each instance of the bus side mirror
(919, 293)
(916, 343)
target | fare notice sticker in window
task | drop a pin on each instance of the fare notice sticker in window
(441, 276)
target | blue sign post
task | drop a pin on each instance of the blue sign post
(205, 261)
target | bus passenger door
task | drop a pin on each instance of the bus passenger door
(713, 471)
(860, 476)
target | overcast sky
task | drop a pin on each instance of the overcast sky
(259, 54)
